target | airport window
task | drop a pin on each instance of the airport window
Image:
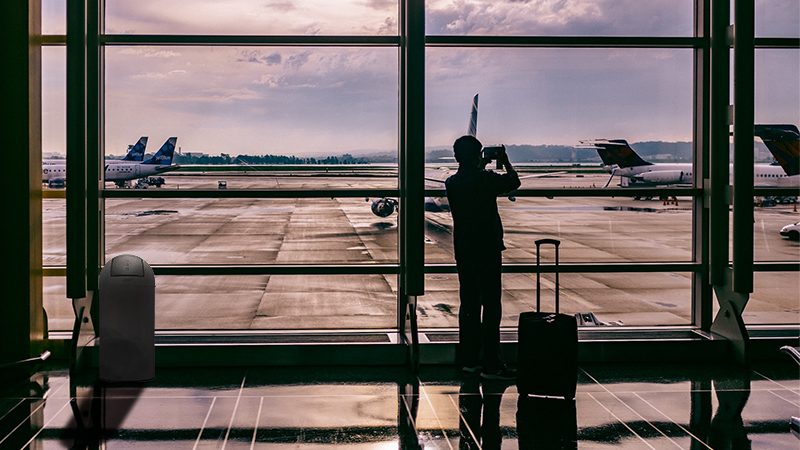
(615, 299)
(54, 18)
(775, 299)
(298, 17)
(575, 18)
(777, 18)
(291, 244)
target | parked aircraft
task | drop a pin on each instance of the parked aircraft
(123, 171)
(135, 154)
(783, 141)
(619, 159)
(435, 178)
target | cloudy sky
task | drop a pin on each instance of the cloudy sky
(315, 100)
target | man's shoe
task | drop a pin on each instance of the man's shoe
(500, 374)
(472, 369)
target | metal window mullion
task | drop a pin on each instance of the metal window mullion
(94, 157)
(412, 171)
(743, 119)
(702, 295)
(76, 148)
(564, 41)
(245, 40)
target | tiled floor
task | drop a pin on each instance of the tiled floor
(617, 406)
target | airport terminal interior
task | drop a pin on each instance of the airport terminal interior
(310, 298)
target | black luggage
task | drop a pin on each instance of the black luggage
(547, 358)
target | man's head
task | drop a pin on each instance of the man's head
(467, 150)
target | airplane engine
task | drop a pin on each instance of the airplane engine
(662, 177)
(384, 207)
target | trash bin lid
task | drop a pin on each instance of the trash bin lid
(127, 266)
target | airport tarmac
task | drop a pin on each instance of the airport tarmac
(344, 230)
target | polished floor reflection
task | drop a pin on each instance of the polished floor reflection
(641, 406)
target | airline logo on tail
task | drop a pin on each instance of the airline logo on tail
(163, 156)
(783, 141)
(616, 152)
(136, 152)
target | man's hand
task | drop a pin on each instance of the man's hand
(507, 164)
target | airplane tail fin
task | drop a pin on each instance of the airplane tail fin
(136, 151)
(616, 151)
(473, 118)
(163, 156)
(783, 141)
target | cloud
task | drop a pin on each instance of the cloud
(270, 80)
(295, 62)
(149, 52)
(561, 17)
(256, 56)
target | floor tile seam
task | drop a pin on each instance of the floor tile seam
(13, 408)
(648, 422)
(23, 421)
(461, 419)
(621, 421)
(44, 426)
(797, 404)
(205, 421)
(630, 408)
(233, 414)
(435, 415)
(43, 401)
(675, 423)
(770, 380)
(255, 428)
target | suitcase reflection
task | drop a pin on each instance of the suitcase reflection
(546, 423)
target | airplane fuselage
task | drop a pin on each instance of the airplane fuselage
(764, 175)
(113, 172)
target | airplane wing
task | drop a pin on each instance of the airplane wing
(537, 175)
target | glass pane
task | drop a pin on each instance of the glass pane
(297, 17)
(54, 102)
(54, 231)
(642, 299)
(770, 219)
(573, 18)
(777, 86)
(250, 231)
(60, 316)
(619, 229)
(542, 102)
(775, 299)
(234, 105)
(54, 16)
(276, 302)
(778, 18)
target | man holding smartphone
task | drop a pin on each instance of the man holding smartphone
(478, 240)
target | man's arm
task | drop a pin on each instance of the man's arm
(512, 176)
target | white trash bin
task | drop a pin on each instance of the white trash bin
(127, 320)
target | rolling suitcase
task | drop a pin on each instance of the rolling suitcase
(547, 359)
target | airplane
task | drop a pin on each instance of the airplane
(121, 172)
(783, 141)
(384, 207)
(619, 159)
(135, 154)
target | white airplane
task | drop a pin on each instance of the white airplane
(783, 141)
(435, 178)
(122, 171)
(619, 159)
(135, 154)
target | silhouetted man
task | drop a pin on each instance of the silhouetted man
(478, 239)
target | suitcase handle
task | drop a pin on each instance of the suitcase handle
(539, 243)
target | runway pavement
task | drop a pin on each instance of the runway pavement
(344, 230)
